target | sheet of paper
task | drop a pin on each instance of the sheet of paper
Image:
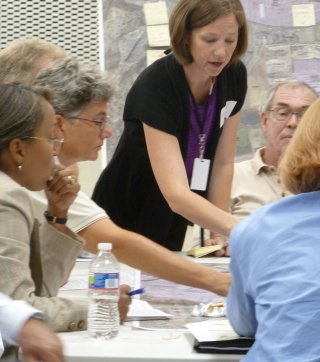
(303, 15)
(158, 35)
(156, 13)
(141, 310)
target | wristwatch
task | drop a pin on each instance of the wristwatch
(54, 219)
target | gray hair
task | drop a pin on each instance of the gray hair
(23, 58)
(73, 85)
(21, 112)
(293, 84)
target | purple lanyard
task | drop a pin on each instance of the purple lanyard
(201, 121)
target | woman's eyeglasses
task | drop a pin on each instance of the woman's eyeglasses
(101, 122)
(56, 142)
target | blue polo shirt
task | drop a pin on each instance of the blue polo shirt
(275, 292)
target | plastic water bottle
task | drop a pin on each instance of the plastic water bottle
(103, 312)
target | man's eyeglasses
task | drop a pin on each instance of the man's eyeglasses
(56, 142)
(101, 122)
(283, 114)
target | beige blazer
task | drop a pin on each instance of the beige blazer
(35, 259)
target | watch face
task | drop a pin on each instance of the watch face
(53, 219)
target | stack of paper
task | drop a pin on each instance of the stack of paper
(203, 250)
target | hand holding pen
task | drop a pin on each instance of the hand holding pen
(135, 292)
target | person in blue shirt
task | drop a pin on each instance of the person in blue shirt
(275, 292)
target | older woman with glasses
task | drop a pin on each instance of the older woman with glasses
(80, 96)
(37, 254)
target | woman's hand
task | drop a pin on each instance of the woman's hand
(61, 190)
(216, 239)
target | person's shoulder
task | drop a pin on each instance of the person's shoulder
(157, 66)
(162, 77)
(83, 200)
(304, 202)
(234, 77)
(159, 69)
(233, 81)
(15, 198)
(237, 68)
(148, 79)
(244, 169)
(243, 165)
(11, 189)
(253, 221)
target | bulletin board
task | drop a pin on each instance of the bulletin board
(284, 44)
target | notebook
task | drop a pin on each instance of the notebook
(217, 336)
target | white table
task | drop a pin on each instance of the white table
(133, 345)
(136, 346)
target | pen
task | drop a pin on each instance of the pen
(136, 291)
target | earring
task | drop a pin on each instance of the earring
(19, 168)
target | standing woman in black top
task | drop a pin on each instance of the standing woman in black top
(174, 162)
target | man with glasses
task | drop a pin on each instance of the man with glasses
(256, 181)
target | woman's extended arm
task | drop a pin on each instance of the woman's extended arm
(169, 170)
(219, 187)
(139, 252)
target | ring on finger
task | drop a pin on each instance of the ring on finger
(71, 179)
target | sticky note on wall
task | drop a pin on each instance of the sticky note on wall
(303, 15)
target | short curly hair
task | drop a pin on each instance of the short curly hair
(73, 85)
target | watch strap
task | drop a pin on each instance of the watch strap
(54, 219)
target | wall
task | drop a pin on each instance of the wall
(284, 44)
(74, 25)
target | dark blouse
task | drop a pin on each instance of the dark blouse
(159, 97)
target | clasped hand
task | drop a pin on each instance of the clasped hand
(62, 188)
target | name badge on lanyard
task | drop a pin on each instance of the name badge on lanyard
(201, 166)
(200, 174)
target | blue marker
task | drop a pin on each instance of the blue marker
(136, 291)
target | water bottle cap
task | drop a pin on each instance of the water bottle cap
(105, 246)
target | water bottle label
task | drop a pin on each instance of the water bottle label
(105, 281)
